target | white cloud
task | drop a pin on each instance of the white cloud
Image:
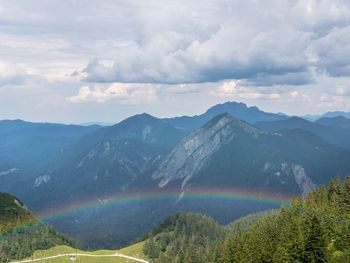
(332, 51)
(297, 96)
(235, 90)
(124, 93)
(277, 46)
(333, 101)
(343, 90)
(12, 74)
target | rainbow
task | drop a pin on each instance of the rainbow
(228, 195)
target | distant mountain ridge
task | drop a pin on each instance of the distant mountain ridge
(238, 110)
(336, 114)
(328, 130)
(339, 121)
(231, 146)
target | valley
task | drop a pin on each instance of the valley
(139, 171)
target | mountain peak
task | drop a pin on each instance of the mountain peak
(227, 107)
(191, 154)
(139, 117)
(297, 119)
(226, 118)
(222, 116)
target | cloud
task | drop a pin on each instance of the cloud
(342, 90)
(266, 48)
(184, 88)
(123, 93)
(297, 96)
(215, 41)
(230, 53)
(234, 89)
(287, 52)
(12, 74)
(332, 51)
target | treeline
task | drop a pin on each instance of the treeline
(312, 229)
(184, 237)
(21, 242)
(316, 229)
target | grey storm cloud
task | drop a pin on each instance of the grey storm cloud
(227, 54)
(278, 45)
(265, 42)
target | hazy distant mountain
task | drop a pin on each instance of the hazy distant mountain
(335, 134)
(90, 123)
(110, 159)
(337, 113)
(220, 149)
(338, 121)
(311, 117)
(35, 143)
(28, 149)
(238, 110)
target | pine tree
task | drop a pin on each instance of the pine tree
(315, 244)
(346, 194)
(335, 192)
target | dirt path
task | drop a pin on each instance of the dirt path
(83, 255)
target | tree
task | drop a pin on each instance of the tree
(315, 244)
(346, 194)
(151, 249)
(335, 192)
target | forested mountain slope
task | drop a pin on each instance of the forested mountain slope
(21, 233)
(310, 229)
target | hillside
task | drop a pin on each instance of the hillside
(21, 233)
(63, 254)
(185, 237)
(315, 229)
(13, 213)
(311, 229)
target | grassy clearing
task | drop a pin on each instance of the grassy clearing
(133, 250)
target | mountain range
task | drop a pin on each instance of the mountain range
(231, 147)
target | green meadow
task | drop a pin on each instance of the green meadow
(133, 250)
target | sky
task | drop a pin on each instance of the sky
(78, 61)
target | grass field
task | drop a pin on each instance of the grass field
(133, 250)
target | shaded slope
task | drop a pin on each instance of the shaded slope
(334, 134)
(338, 121)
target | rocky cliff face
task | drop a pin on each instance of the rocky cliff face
(194, 151)
(286, 172)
